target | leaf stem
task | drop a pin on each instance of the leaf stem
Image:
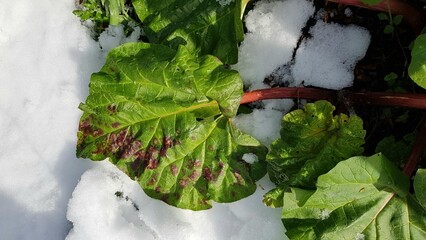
(410, 14)
(410, 100)
(417, 150)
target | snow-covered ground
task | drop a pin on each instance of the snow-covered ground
(46, 193)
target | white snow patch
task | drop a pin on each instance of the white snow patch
(97, 213)
(263, 124)
(283, 105)
(46, 61)
(328, 59)
(114, 36)
(324, 214)
(359, 236)
(274, 28)
(250, 158)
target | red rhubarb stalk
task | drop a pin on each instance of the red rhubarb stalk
(409, 100)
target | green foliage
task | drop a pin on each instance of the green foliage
(372, 2)
(205, 27)
(393, 21)
(162, 116)
(103, 13)
(397, 151)
(419, 185)
(360, 198)
(417, 68)
(312, 142)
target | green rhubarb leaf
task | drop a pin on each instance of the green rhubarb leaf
(417, 68)
(397, 151)
(162, 117)
(312, 142)
(420, 186)
(205, 27)
(361, 198)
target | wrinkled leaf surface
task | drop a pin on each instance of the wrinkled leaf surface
(312, 142)
(162, 116)
(361, 198)
(203, 26)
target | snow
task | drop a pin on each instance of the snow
(250, 158)
(98, 213)
(274, 27)
(47, 193)
(342, 46)
(263, 124)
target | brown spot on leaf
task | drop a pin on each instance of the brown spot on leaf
(183, 182)
(233, 194)
(152, 181)
(194, 175)
(116, 125)
(131, 149)
(167, 143)
(112, 109)
(157, 189)
(197, 163)
(98, 132)
(85, 126)
(174, 169)
(152, 163)
(151, 156)
(239, 178)
(137, 166)
(210, 147)
(208, 174)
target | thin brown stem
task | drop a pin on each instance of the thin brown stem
(410, 14)
(409, 100)
(417, 150)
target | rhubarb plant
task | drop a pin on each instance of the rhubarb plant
(162, 116)
(162, 113)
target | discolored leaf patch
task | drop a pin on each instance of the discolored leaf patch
(163, 117)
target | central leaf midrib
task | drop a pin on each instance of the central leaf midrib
(188, 109)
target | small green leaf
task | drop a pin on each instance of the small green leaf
(371, 2)
(420, 186)
(362, 197)
(396, 151)
(417, 68)
(312, 142)
(162, 117)
(397, 20)
(391, 76)
(205, 27)
(274, 198)
(383, 16)
(388, 29)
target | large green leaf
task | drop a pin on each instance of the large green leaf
(361, 198)
(312, 142)
(417, 68)
(162, 116)
(204, 26)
